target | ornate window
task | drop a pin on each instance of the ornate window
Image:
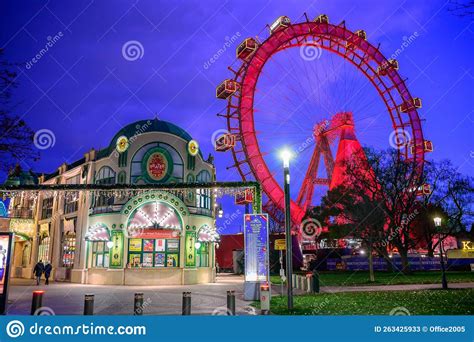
(203, 196)
(100, 254)
(105, 176)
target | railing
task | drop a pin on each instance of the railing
(200, 211)
(107, 209)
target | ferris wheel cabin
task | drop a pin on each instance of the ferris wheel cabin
(427, 147)
(246, 48)
(407, 106)
(382, 70)
(244, 197)
(359, 34)
(226, 89)
(280, 24)
(322, 19)
(225, 142)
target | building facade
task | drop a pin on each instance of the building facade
(128, 237)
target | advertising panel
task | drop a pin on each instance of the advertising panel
(6, 246)
(256, 247)
(116, 252)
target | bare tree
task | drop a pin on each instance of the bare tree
(379, 198)
(452, 199)
(16, 138)
(462, 8)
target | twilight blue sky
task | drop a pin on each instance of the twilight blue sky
(84, 90)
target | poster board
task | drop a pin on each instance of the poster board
(6, 250)
(256, 254)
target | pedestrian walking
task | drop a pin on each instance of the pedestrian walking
(38, 271)
(47, 272)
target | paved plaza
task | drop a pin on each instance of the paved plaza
(207, 299)
(68, 299)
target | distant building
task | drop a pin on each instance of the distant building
(152, 237)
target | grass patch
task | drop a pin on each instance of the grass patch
(423, 302)
(386, 278)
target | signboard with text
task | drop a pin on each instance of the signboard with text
(256, 247)
(280, 244)
(116, 252)
(6, 246)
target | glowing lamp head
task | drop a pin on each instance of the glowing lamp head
(362, 252)
(110, 244)
(286, 155)
(197, 245)
(437, 221)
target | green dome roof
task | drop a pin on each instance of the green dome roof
(147, 126)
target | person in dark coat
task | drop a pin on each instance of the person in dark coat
(38, 271)
(47, 272)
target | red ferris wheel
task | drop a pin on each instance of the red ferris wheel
(279, 93)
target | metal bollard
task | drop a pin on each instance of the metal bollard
(315, 282)
(88, 305)
(138, 304)
(186, 303)
(37, 301)
(265, 299)
(309, 283)
(231, 303)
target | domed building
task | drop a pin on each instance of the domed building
(152, 237)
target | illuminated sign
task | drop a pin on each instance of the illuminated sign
(256, 247)
(122, 144)
(116, 252)
(193, 148)
(280, 244)
(467, 245)
(157, 165)
(6, 250)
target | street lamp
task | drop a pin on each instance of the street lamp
(286, 156)
(437, 222)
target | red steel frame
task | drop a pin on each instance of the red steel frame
(366, 57)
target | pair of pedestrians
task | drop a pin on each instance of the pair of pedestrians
(40, 269)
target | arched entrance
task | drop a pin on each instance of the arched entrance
(154, 233)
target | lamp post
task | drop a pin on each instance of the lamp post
(444, 282)
(286, 156)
